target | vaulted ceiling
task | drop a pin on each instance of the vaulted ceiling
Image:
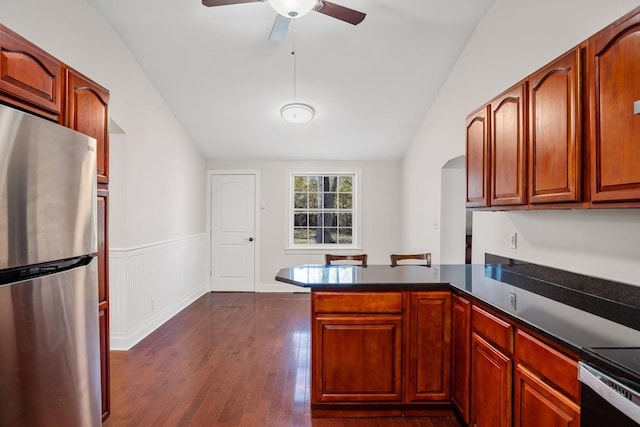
(371, 84)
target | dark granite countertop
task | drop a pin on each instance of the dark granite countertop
(564, 312)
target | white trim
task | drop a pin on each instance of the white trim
(356, 246)
(150, 246)
(281, 288)
(257, 218)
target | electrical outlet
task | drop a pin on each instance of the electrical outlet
(513, 240)
(512, 300)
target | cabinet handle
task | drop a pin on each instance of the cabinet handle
(636, 108)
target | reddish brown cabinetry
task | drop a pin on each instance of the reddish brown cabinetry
(555, 137)
(478, 158)
(34, 81)
(613, 62)
(461, 354)
(87, 112)
(429, 349)
(491, 370)
(508, 149)
(546, 387)
(30, 78)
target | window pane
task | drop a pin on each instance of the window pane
(300, 236)
(345, 201)
(313, 201)
(300, 220)
(300, 200)
(344, 220)
(345, 239)
(314, 183)
(346, 184)
(330, 200)
(301, 183)
(314, 219)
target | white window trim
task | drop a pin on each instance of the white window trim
(356, 246)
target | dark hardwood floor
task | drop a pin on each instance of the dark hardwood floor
(229, 359)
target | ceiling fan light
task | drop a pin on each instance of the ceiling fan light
(293, 8)
(297, 113)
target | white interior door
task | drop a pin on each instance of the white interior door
(233, 204)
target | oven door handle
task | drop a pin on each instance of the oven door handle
(617, 394)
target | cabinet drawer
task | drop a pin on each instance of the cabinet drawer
(493, 329)
(357, 302)
(556, 368)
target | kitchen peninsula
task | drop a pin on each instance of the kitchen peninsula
(472, 339)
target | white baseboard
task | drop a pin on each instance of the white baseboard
(280, 287)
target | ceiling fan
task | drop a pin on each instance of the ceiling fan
(291, 9)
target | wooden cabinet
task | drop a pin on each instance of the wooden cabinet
(357, 346)
(461, 355)
(87, 112)
(491, 370)
(429, 346)
(103, 299)
(508, 148)
(30, 78)
(478, 158)
(34, 81)
(382, 353)
(613, 62)
(546, 387)
(555, 136)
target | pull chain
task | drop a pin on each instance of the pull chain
(293, 52)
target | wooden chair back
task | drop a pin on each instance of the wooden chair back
(426, 257)
(362, 258)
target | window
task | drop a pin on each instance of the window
(323, 210)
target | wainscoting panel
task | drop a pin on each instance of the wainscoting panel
(152, 283)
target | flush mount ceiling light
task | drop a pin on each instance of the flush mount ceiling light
(293, 8)
(297, 113)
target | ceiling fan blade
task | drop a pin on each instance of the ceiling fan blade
(212, 3)
(280, 27)
(340, 12)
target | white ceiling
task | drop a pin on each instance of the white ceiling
(370, 84)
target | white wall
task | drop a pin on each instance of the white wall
(380, 213)
(515, 38)
(157, 188)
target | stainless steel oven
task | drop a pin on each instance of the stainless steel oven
(610, 387)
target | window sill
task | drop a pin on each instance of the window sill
(323, 250)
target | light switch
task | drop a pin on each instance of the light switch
(513, 240)
(636, 107)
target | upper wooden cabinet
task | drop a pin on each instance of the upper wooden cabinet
(478, 158)
(508, 149)
(87, 105)
(555, 137)
(613, 68)
(29, 77)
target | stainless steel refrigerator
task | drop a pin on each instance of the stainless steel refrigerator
(49, 348)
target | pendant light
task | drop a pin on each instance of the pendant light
(293, 8)
(296, 112)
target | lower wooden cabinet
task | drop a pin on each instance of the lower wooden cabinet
(539, 404)
(460, 355)
(380, 351)
(491, 383)
(429, 349)
(103, 299)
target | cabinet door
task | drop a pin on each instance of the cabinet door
(29, 77)
(87, 112)
(538, 404)
(461, 354)
(429, 353)
(555, 137)
(478, 158)
(508, 152)
(614, 87)
(491, 382)
(356, 358)
(103, 300)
